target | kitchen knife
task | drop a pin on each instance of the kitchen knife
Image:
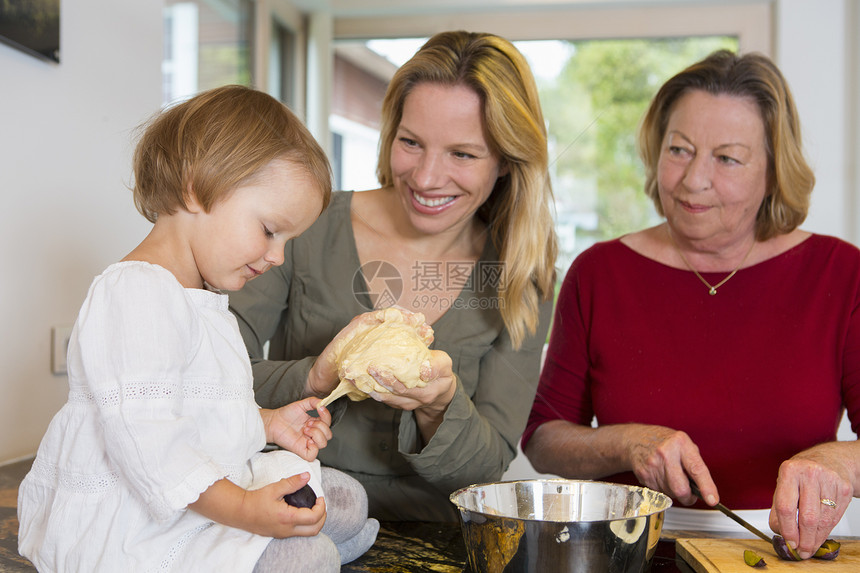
(731, 514)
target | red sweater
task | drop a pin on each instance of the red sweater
(754, 374)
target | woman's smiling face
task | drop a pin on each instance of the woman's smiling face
(442, 165)
(712, 171)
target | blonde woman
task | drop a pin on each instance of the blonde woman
(461, 231)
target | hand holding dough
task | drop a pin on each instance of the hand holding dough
(396, 344)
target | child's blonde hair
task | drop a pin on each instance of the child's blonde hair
(214, 141)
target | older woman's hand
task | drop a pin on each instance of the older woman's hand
(805, 483)
(663, 458)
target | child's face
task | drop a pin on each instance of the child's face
(244, 235)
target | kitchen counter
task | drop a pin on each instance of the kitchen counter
(401, 547)
(409, 547)
(413, 547)
(418, 547)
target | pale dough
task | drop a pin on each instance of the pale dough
(397, 345)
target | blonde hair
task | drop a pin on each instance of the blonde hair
(517, 212)
(790, 179)
(213, 142)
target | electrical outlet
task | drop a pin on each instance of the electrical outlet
(59, 347)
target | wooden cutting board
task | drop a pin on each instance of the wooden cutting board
(727, 555)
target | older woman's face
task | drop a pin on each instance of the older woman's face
(442, 165)
(712, 171)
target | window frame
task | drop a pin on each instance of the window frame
(751, 22)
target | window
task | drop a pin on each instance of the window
(593, 95)
(206, 45)
(281, 75)
(361, 74)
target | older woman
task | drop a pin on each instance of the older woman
(461, 231)
(724, 344)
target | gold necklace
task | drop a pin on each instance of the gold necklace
(712, 289)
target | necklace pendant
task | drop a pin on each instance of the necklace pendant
(713, 291)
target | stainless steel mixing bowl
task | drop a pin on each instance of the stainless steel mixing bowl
(558, 526)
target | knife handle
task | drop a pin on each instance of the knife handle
(695, 488)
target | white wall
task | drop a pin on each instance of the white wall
(66, 213)
(814, 51)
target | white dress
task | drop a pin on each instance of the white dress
(161, 405)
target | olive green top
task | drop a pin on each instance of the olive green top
(300, 306)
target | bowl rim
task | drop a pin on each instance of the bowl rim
(668, 500)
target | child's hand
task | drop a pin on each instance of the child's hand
(292, 428)
(274, 517)
(262, 511)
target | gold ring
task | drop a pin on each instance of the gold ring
(828, 502)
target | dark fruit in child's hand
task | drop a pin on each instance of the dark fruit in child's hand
(305, 497)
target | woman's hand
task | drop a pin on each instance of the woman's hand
(434, 397)
(262, 511)
(663, 458)
(292, 428)
(428, 403)
(323, 376)
(820, 473)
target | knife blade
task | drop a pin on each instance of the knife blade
(732, 515)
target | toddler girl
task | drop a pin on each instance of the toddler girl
(155, 463)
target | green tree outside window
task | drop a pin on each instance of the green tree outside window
(593, 107)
